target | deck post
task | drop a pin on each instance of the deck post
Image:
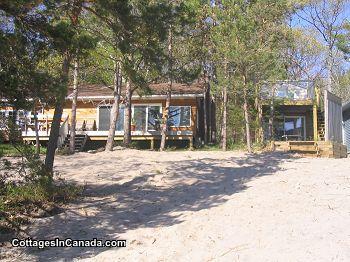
(315, 125)
(47, 125)
(152, 143)
(191, 142)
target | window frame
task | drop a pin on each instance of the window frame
(147, 109)
(147, 105)
(98, 116)
(284, 117)
(147, 118)
(180, 119)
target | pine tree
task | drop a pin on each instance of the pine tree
(248, 37)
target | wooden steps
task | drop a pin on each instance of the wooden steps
(308, 148)
(80, 141)
(320, 126)
(312, 148)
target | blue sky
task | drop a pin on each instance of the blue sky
(298, 22)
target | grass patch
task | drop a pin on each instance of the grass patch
(217, 147)
(7, 149)
(19, 202)
(27, 188)
(256, 147)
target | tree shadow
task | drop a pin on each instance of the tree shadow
(153, 199)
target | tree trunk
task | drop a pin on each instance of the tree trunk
(259, 118)
(55, 127)
(224, 120)
(127, 116)
(168, 95)
(210, 129)
(246, 117)
(260, 123)
(272, 115)
(165, 118)
(74, 107)
(205, 113)
(329, 64)
(36, 128)
(115, 107)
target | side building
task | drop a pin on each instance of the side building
(346, 125)
(298, 116)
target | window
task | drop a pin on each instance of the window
(147, 117)
(104, 118)
(144, 117)
(290, 128)
(140, 118)
(154, 118)
(179, 116)
(120, 120)
(3, 119)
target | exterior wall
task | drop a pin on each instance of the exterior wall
(295, 110)
(85, 112)
(333, 117)
(346, 127)
(88, 111)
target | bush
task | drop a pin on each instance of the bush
(26, 187)
(63, 151)
(7, 149)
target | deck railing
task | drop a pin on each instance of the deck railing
(291, 90)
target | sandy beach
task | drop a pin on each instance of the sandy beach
(200, 206)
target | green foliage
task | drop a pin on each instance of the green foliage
(20, 201)
(25, 183)
(248, 41)
(9, 150)
(343, 40)
(131, 32)
(231, 146)
(343, 87)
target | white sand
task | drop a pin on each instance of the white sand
(202, 206)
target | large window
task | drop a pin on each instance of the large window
(179, 116)
(290, 128)
(120, 121)
(154, 118)
(104, 118)
(140, 118)
(147, 117)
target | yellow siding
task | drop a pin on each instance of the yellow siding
(87, 111)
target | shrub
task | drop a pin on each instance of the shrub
(26, 186)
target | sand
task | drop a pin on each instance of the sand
(201, 206)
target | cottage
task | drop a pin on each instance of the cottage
(191, 118)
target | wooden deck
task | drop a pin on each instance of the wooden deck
(326, 149)
(289, 102)
(151, 136)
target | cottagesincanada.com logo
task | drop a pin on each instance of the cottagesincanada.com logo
(68, 242)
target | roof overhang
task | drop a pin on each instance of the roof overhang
(146, 97)
(346, 106)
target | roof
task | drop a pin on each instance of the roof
(103, 91)
(346, 106)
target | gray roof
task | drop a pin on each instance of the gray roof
(346, 106)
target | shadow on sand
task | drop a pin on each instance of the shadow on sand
(117, 208)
